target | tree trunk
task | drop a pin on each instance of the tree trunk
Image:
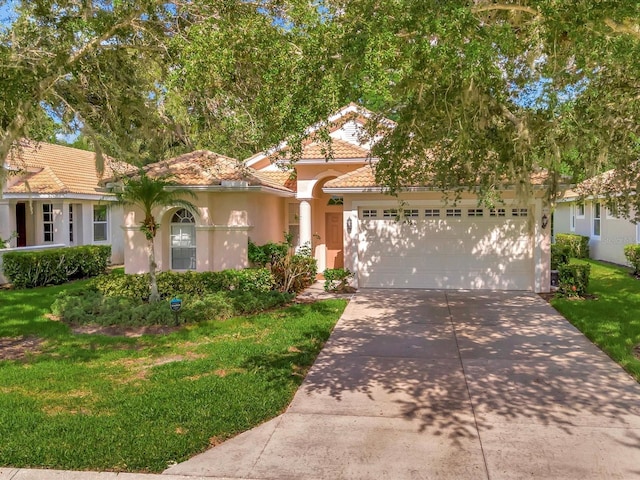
(153, 283)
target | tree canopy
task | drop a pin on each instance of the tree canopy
(483, 92)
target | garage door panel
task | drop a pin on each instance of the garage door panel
(446, 253)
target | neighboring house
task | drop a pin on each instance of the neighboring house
(336, 207)
(51, 196)
(588, 216)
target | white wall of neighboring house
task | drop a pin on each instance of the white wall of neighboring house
(615, 232)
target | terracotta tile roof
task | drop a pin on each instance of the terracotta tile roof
(46, 168)
(204, 168)
(339, 149)
(363, 177)
(286, 179)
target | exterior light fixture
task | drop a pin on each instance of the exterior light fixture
(545, 221)
(349, 225)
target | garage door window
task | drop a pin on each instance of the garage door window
(475, 212)
(369, 213)
(390, 213)
(413, 213)
(519, 212)
(432, 212)
(454, 212)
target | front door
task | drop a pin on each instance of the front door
(21, 224)
(335, 242)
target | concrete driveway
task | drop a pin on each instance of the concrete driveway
(450, 385)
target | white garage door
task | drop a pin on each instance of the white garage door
(449, 248)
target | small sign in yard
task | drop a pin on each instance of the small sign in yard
(176, 305)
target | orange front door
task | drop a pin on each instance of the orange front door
(335, 243)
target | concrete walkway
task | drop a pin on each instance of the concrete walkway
(448, 385)
(440, 385)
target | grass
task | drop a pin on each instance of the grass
(612, 321)
(139, 404)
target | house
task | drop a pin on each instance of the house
(51, 196)
(585, 214)
(336, 208)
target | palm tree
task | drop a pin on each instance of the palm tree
(148, 194)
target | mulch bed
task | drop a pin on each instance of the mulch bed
(16, 348)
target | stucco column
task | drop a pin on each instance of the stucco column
(5, 222)
(305, 222)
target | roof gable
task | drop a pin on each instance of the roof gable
(205, 168)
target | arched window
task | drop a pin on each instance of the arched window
(183, 240)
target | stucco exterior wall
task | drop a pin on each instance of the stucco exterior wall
(615, 233)
(225, 221)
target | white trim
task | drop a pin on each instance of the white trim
(54, 196)
(593, 220)
(250, 188)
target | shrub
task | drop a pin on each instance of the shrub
(267, 254)
(90, 306)
(185, 283)
(54, 266)
(574, 279)
(559, 255)
(578, 244)
(632, 252)
(294, 273)
(336, 279)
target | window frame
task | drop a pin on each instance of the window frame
(47, 213)
(193, 245)
(596, 208)
(581, 206)
(105, 222)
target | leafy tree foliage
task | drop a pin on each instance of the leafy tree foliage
(486, 93)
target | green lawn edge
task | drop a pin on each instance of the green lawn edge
(97, 402)
(611, 320)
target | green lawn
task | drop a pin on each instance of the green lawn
(140, 404)
(612, 321)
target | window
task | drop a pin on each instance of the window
(335, 200)
(70, 223)
(432, 212)
(580, 210)
(390, 213)
(99, 223)
(294, 223)
(370, 213)
(572, 217)
(475, 212)
(519, 212)
(454, 212)
(47, 222)
(497, 212)
(183, 240)
(596, 219)
(613, 210)
(412, 213)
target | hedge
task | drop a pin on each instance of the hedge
(185, 283)
(92, 307)
(574, 279)
(578, 244)
(559, 255)
(36, 268)
(632, 252)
